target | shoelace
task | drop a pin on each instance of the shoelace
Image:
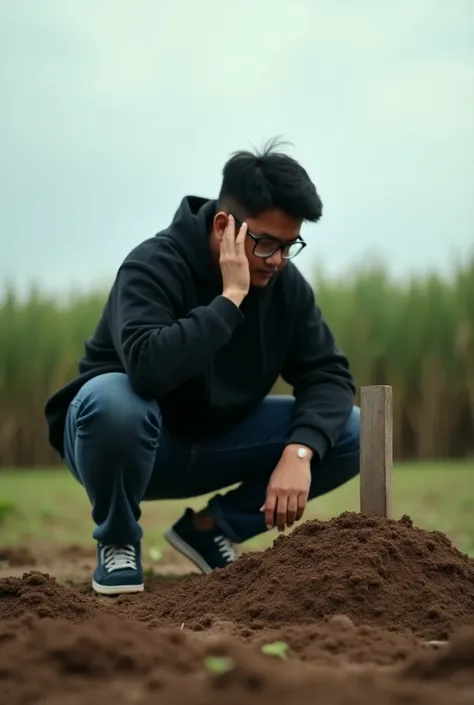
(225, 547)
(118, 557)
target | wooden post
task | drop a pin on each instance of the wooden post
(376, 449)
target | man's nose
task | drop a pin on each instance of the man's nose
(275, 260)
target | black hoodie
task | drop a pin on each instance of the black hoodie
(205, 361)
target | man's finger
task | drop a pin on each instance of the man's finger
(229, 232)
(240, 239)
(292, 509)
(302, 500)
(282, 510)
(270, 505)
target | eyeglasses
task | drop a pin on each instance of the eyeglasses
(265, 246)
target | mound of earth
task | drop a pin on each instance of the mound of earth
(379, 572)
(350, 599)
(40, 594)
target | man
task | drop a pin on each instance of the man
(172, 397)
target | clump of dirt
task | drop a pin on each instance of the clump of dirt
(40, 594)
(17, 557)
(379, 572)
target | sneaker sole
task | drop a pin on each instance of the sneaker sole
(116, 589)
(188, 551)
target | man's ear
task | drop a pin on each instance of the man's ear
(219, 224)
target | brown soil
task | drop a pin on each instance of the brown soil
(379, 572)
(353, 599)
(39, 594)
(17, 557)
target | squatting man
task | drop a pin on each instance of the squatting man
(173, 394)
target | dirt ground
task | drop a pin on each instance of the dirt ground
(347, 611)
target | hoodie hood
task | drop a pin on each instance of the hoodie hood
(191, 229)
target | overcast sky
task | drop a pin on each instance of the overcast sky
(111, 111)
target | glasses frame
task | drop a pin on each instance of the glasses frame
(279, 245)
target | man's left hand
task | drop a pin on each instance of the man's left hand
(288, 489)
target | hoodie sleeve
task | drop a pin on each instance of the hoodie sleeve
(158, 350)
(319, 374)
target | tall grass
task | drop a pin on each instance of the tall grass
(418, 337)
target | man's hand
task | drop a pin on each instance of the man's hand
(234, 263)
(288, 489)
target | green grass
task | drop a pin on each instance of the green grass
(386, 327)
(48, 510)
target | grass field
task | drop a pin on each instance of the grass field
(385, 327)
(47, 511)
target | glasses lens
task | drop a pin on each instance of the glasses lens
(292, 250)
(265, 247)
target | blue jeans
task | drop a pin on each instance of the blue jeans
(117, 447)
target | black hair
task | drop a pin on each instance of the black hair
(267, 179)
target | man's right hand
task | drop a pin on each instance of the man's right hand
(234, 263)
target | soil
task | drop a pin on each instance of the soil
(354, 602)
(17, 557)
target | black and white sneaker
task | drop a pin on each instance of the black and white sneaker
(206, 549)
(118, 570)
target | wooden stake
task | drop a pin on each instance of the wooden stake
(376, 449)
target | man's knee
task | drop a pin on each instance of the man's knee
(108, 405)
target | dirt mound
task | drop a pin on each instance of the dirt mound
(347, 599)
(40, 594)
(106, 660)
(377, 571)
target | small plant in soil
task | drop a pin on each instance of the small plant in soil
(278, 649)
(218, 664)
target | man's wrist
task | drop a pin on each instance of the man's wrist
(235, 296)
(299, 451)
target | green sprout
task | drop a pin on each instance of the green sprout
(218, 664)
(279, 649)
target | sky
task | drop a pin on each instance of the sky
(113, 110)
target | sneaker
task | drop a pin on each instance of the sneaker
(118, 569)
(206, 549)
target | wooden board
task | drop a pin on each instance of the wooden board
(376, 449)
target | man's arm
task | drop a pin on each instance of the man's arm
(324, 389)
(160, 351)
